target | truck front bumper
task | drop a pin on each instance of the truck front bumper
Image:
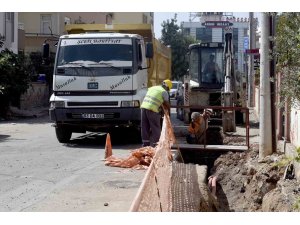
(96, 117)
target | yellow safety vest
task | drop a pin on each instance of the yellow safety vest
(153, 98)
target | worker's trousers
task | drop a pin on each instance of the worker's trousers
(151, 127)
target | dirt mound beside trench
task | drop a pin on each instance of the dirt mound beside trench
(246, 185)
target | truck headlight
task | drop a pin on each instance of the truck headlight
(57, 104)
(134, 103)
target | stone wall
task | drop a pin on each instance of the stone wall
(37, 95)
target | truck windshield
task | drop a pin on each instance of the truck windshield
(95, 53)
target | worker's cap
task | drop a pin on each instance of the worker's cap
(195, 116)
(208, 112)
(167, 83)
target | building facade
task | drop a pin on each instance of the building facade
(211, 28)
(39, 27)
(9, 31)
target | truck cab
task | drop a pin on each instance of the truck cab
(101, 75)
(99, 81)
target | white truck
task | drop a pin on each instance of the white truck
(101, 75)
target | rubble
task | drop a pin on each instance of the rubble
(246, 185)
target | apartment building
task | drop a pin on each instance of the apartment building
(132, 17)
(48, 26)
(9, 31)
(211, 27)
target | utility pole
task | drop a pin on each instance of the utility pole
(265, 125)
(272, 82)
(250, 60)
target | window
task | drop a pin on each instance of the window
(8, 16)
(204, 34)
(194, 65)
(12, 18)
(187, 31)
(94, 53)
(212, 66)
(145, 18)
(9, 26)
(46, 24)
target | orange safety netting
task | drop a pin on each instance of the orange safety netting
(142, 157)
(138, 159)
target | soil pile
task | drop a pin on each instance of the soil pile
(246, 185)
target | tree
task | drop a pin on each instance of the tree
(14, 78)
(173, 36)
(287, 53)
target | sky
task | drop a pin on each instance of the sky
(159, 17)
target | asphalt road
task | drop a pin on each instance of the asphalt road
(37, 173)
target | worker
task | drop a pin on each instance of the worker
(156, 97)
(211, 70)
(198, 127)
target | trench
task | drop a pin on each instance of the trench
(200, 158)
(204, 156)
(194, 154)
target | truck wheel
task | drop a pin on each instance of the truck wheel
(63, 134)
(179, 111)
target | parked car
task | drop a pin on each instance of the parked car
(177, 89)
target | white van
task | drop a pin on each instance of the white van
(176, 90)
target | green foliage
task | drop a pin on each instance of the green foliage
(14, 78)
(297, 158)
(288, 160)
(1, 40)
(283, 162)
(15, 71)
(172, 35)
(297, 205)
(287, 53)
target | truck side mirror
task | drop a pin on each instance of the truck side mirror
(149, 50)
(46, 50)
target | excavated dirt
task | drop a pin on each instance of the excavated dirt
(246, 185)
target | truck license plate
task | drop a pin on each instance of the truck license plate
(92, 85)
(92, 116)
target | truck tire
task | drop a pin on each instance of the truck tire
(179, 112)
(63, 134)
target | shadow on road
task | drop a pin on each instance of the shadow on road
(3, 137)
(27, 120)
(119, 137)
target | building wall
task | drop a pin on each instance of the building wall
(9, 29)
(35, 37)
(32, 22)
(295, 127)
(37, 95)
(217, 35)
(132, 17)
(82, 17)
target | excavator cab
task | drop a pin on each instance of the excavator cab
(206, 65)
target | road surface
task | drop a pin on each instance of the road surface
(37, 173)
